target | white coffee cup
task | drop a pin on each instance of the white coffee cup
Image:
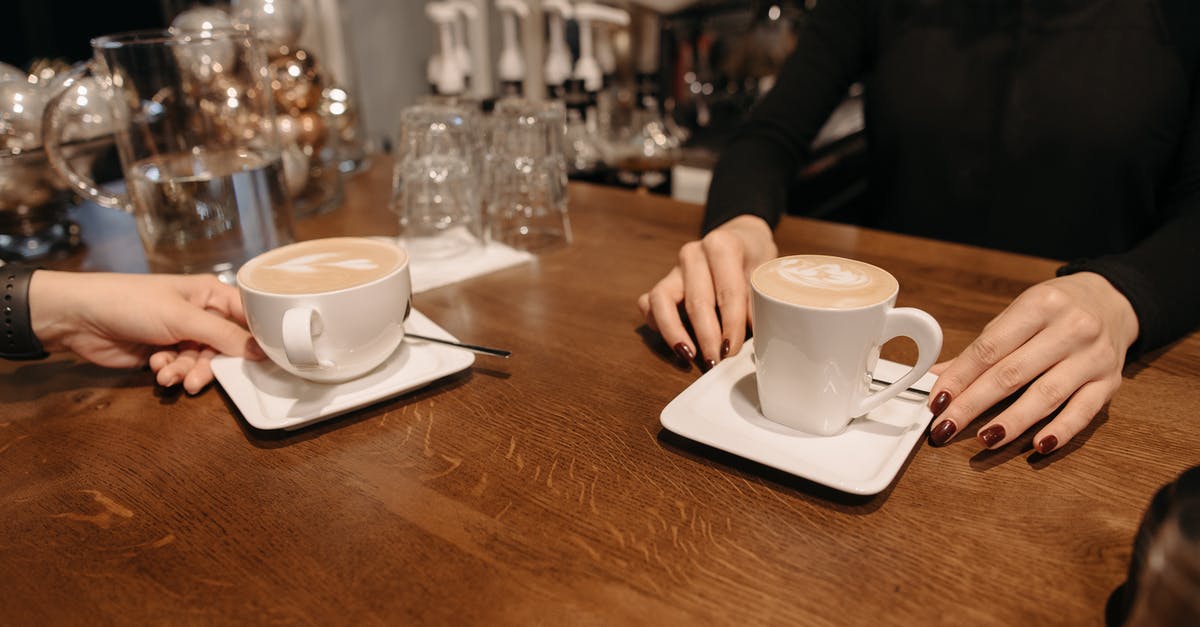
(819, 323)
(328, 310)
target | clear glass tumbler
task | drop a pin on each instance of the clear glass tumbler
(436, 181)
(525, 187)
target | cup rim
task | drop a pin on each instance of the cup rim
(403, 265)
(165, 36)
(755, 289)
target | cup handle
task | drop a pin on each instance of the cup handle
(300, 326)
(925, 331)
(52, 126)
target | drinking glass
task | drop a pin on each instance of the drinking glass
(436, 181)
(197, 142)
(526, 181)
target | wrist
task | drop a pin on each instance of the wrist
(49, 309)
(756, 235)
(1126, 317)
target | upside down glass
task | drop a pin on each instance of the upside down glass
(198, 147)
(436, 181)
(526, 186)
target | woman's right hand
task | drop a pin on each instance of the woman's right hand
(712, 282)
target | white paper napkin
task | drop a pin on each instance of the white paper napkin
(428, 274)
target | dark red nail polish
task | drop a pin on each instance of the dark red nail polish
(707, 364)
(685, 352)
(942, 433)
(992, 435)
(939, 403)
(724, 349)
(1047, 444)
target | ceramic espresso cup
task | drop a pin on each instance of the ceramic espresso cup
(819, 323)
(328, 310)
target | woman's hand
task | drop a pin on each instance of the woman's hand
(118, 320)
(1066, 338)
(712, 277)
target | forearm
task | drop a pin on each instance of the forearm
(834, 47)
(751, 178)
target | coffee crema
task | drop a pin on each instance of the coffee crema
(323, 265)
(824, 281)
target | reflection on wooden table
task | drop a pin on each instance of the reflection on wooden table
(542, 488)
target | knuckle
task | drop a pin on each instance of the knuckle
(1086, 325)
(1048, 297)
(985, 351)
(1051, 393)
(727, 296)
(717, 240)
(1107, 357)
(1073, 422)
(1010, 377)
(689, 251)
(698, 304)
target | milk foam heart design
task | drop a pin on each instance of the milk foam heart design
(309, 264)
(826, 275)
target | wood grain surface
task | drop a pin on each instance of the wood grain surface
(542, 489)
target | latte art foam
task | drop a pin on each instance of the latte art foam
(323, 265)
(824, 281)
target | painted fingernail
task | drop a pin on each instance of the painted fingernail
(708, 364)
(942, 433)
(992, 435)
(939, 404)
(1047, 444)
(724, 349)
(685, 352)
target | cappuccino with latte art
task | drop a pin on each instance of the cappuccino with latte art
(823, 281)
(323, 265)
(819, 322)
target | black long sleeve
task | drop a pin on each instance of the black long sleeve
(1067, 129)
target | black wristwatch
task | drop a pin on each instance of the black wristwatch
(17, 340)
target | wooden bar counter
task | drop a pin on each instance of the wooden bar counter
(542, 489)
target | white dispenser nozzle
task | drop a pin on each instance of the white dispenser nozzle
(558, 55)
(606, 54)
(444, 69)
(511, 65)
(465, 10)
(587, 68)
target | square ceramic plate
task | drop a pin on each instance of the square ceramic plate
(269, 397)
(721, 410)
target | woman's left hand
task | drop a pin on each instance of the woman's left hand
(1065, 338)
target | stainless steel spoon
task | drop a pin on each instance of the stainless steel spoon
(495, 352)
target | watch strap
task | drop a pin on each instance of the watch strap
(17, 340)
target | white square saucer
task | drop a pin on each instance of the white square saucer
(269, 397)
(721, 409)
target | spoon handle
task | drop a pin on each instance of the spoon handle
(496, 352)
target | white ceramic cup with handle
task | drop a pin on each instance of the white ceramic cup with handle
(819, 322)
(328, 310)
